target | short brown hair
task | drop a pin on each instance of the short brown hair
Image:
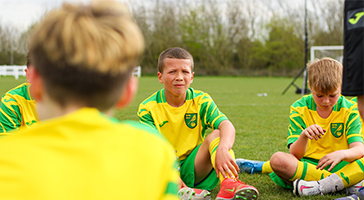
(86, 53)
(325, 75)
(28, 59)
(174, 52)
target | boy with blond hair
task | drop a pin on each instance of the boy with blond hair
(83, 58)
(17, 108)
(324, 138)
(182, 115)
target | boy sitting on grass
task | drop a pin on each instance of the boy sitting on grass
(83, 60)
(182, 115)
(324, 138)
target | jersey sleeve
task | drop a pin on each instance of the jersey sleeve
(165, 162)
(210, 114)
(296, 126)
(145, 116)
(172, 175)
(10, 116)
(353, 127)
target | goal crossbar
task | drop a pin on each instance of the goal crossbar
(321, 48)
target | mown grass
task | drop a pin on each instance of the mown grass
(260, 122)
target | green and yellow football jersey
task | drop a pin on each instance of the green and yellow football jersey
(184, 127)
(343, 126)
(17, 109)
(355, 100)
(87, 155)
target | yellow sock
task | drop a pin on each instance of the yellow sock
(266, 169)
(213, 146)
(352, 173)
(308, 172)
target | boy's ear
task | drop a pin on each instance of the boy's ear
(37, 87)
(129, 93)
(160, 75)
(308, 83)
(27, 74)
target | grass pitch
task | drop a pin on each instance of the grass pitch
(260, 121)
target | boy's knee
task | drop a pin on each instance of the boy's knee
(212, 136)
(278, 161)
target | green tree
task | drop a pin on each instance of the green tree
(284, 49)
(161, 31)
(326, 23)
(11, 51)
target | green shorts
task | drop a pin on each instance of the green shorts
(187, 171)
(286, 185)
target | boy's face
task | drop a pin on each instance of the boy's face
(326, 102)
(177, 76)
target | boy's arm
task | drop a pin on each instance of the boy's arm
(354, 139)
(296, 138)
(361, 106)
(355, 151)
(145, 117)
(212, 117)
(299, 147)
(225, 164)
(170, 176)
(9, 114)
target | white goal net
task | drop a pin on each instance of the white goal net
(335, 52)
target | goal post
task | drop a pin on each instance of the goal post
(335, 52)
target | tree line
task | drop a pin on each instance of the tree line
(231, 37)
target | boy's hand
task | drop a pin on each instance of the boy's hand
(225, 164)
(330, 159)
(355, 151)
(314, 132)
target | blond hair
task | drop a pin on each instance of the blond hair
(325, 75)
(174, 52)
(87, 52)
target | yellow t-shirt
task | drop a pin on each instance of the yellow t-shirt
(17, 109)
(343, 126)
(87, 155)
(185, 126)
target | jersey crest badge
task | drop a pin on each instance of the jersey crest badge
(191, 120)
(337, 129)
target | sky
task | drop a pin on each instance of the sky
(22, 13)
